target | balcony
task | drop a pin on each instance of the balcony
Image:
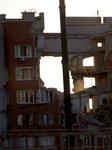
(57, 139)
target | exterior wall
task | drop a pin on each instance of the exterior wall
(27, 31)
(18, 33)
(3, 100)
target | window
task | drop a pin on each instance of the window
(89, 82)
(24, 73)
(25, 96)
(30, 142)
(22, 142)
(50, 119)
(26, 142)
(45, 119)
(23, 51)
(45, 96)
(25, 119)
(47, 141)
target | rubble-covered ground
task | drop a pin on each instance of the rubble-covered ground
(101, 118)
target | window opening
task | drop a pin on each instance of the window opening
(89, 82)
(99, 44)
(26, 142)
(24, 73)
(47, 141)
(22, 142)
(90, 103)
(62, 118)
(45, 119)
(23, 51)
(25, 119)
(45, 96)
(25, 96)
(104, 101)
(30, 142)
(88, 61)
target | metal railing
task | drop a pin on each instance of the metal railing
(57, 140)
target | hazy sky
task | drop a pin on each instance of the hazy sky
(13, 9)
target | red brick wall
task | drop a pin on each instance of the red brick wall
(18, 33)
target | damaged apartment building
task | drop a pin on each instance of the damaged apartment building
(26, 105)
(90, 62)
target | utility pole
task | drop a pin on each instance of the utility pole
(65, 62)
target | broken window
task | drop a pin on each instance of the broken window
(46, 96)
(25, 119)
(24, 73)
(89, 82)
(23, 51)
(25, 96)
(88, 61)
(99, 44)
(45, 119)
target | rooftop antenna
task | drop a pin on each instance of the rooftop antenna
(97, 12)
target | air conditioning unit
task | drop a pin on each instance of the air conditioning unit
(22, 59)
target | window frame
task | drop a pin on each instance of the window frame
(47, 141)
(45, 119)
(21, 73)
(41, 96)
(21, 142)
(26, 142)
(19, 101)
(21, 118)
(21, 50)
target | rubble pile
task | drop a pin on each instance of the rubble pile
(102, 117)
(104, 113)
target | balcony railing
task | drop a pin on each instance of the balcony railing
(57, 139)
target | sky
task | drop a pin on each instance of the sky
(50, 8)
(13, 9)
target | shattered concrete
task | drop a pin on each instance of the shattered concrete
(86, 37)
